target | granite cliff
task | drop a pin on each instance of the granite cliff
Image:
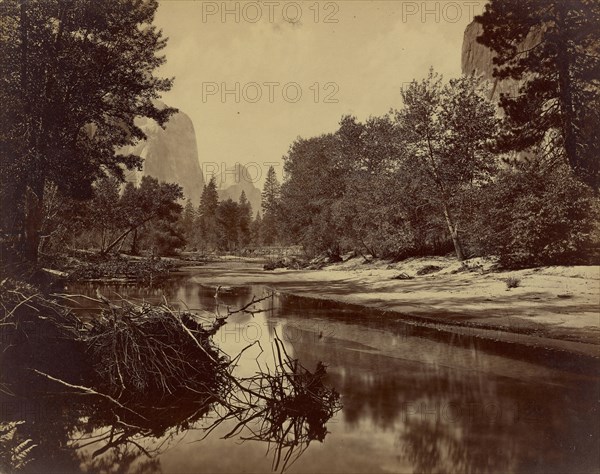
(170, 154)
(231, 183)
(478, 59)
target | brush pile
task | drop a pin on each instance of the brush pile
(132, 350)
(149, 349)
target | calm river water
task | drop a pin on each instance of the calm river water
(414, 399)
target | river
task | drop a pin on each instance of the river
(414, 399)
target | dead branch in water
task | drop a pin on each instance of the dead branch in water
(292, 404)
(243, 309)
(89, 391)
(153, 349)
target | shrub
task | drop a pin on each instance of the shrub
(512, 282)
(535, 215)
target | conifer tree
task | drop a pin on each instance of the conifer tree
(557, 109)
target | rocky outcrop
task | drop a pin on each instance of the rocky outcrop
(478, 59)
(231, 183)
(170, 154)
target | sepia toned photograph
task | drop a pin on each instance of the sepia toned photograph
(304, 237)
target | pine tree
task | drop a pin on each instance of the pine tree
(188, 221)
(228, 225)
(207, 214)
(244, 220)
(256, 230)
(271, 192)
(270, 200)
(558, 105)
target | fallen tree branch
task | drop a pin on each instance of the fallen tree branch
(90, 392)
(244, 309)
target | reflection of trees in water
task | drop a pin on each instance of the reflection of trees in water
(447, 420)
(433, 445)
(287, 407)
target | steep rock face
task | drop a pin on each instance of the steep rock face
(170, 155)
(231, 183)
(478, 59)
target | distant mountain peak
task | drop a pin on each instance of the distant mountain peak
(232, 180)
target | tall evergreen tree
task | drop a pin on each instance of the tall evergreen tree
(188, 221)
(271, 192)
(558, 105)
(270, 200)
(244, 220)
(207, 214)
(228, 225)
(256, 230)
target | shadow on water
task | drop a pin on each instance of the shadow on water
(414, 400)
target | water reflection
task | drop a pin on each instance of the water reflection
(414, 400)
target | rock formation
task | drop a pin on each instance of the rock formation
(170, 154)
(478, 59)
(231, 183)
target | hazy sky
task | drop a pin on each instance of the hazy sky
(344, 57)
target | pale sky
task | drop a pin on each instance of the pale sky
(356, 53)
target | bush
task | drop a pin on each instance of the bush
(512, 282)
(534, 216)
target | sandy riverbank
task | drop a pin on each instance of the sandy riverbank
(556, 306)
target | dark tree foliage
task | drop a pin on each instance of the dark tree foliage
(370, 212)
(228, 214)
(256, 230)
(315, 180)
(76, 74)
(207, 215)
(166, 238)
(558, 105)
(149, 203)
(270, 204)
(244, 220)
(188, 222)
(532, 215)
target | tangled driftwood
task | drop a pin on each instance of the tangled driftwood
(156, 368)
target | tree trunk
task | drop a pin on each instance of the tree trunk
(34, 207)
(118, 240)
(134, 242)
(565, 95)
(115, 242)
(453, 229)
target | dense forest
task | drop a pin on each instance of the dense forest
(433, 177)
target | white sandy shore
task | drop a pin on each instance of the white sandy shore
(560, 303)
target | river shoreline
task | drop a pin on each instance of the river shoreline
(554, 308)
